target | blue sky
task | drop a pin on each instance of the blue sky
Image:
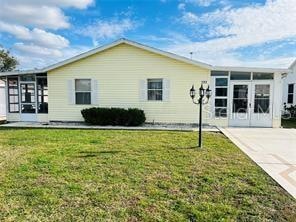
(219, 32)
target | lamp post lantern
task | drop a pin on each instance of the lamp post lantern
(204, 96)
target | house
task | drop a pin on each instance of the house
(2, 100)
(128, 74)
(289, 86)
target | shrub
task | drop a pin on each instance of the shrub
(290, 111)
(113, 116)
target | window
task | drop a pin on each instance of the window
(13, 95)
(155, 89)
(290, 93)
(262, 76)
(240, 76)
(27, 78)
(42, 95)
(221, 88)
(82, 91)
(219, 73)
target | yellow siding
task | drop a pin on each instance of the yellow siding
(118, 71)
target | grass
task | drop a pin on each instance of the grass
(91, 175)
(289, 123)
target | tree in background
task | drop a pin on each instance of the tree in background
(7, 61)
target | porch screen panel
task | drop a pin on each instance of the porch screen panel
(42, 95)
(13, 95)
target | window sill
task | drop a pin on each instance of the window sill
(156, 101)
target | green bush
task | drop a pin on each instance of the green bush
(113, 116)
(290, 111)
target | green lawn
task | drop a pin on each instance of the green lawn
(89, 175)
(289, 123)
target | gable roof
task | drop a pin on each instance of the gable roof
(108, 46)
(132, 43)
(144, 47)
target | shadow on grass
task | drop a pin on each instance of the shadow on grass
(184, 148)
(87, 154)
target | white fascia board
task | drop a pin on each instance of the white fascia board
(249, 69)
(25, 72)
(292, 65)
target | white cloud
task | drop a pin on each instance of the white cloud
(36, 50)
(18, 31)
(242, 27)
(43, 38)
(114, 28)
(31, 56)
(29, 21)
(34, 16)
(189, 18)
(204, 3)
(80, 4)
(252, 25)
(42, 14)
(181, 6)
(35, 36)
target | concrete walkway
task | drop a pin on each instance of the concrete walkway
(274, 150)
(169, 127)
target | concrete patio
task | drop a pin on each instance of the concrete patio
(274, 150)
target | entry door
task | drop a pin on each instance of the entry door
(28, 101)
(240, 105)
(261, 112)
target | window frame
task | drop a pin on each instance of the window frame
(221, 97)
(82, 91)
(154, 90)
(14, 94)
(291, 93)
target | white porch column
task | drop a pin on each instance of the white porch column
(277, 99)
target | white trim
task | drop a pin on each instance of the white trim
(213, 86)
(293, 64)
(23, 72)
(248, 69)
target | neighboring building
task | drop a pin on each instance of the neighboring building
(2, 100)
(289, 86)
(128, 74)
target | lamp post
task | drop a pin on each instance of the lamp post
(204, 96)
